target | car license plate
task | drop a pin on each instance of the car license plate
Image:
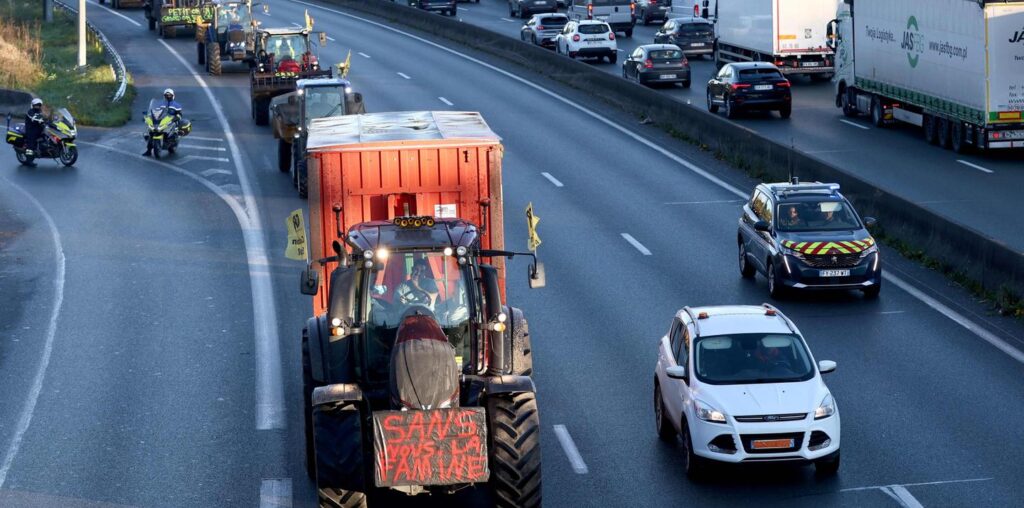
(667, 76)
(697, 44)
(810, 64)
(539, 2)
(771, 444)
(834, 273)
(763, 87)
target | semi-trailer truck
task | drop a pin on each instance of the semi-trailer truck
(955, 68)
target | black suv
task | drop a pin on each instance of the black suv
(807, 236)
(695, 36)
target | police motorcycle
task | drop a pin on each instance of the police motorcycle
(164, 129)
(57, 140)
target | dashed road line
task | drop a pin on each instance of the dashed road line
(276, 493)
(902, 496)
(552, 179)
(919, 484)
(569, 447)
(975, 166)
(364, 55)
(509, 20)
(200, 138)
(404, 75)
(639, 246)
(211, 148)
(215, 171)
(857, 125)
(189, 158)
(328, 37)
(446, 101)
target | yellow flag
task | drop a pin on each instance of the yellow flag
(309, 21)
(531, 224)
(297, 248)
(343, 67)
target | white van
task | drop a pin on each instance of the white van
(619, 14)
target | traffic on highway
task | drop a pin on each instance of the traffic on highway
(308, 273)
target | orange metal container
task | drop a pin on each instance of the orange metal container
(380, 166)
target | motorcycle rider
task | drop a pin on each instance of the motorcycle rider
(35, 122)
(173, 108)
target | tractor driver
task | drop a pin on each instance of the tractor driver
(420, 289)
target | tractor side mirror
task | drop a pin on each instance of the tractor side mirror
(309, 283)
(323, 39)
(537, 277)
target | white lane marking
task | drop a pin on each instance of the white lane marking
(296, 25)
(270, 408)
(552, 179)
(857, 125)
(215, 171)
(25, 418)
(705, 202)
(446, 101)
(639, 246)
(364, 55)
(332, 39)
(200, 138)
(188, 158)
(569, 447)
(211, 148)
(276, 493)
(463, 9)
(902, 496)
(404, 75)
(919, 484)
(509, 20)
(976, 329)
(112, 11)
(956, 317)
(975, 166)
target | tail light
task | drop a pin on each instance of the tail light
(779, 63)
(590, 11)
(576, 38)
(696, 11)
(648, 63)
(611, 36)
(652, 3)
(739, 86)
(632, 8)
(783, 84)
(685, 61)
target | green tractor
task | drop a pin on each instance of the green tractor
(230, 34)
(166, 17)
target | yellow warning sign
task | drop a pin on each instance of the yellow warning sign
(297, 248)
(531, 224)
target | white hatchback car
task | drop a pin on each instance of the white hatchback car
(739, 384)
(587, 39)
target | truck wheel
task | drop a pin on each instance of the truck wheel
(201, 53)
(930, 129)
(262, 111)
(877, 114)
(515, 450)
(301, 179)
(846, 102)
(284, 156)
(956, 137)
(943, 133)
(213, 63)
(522, 351)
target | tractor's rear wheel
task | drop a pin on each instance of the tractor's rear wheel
(337, 498)
(168, 32)
(515, 450)
(213, 64)
(284, 156)
(344, 452)
(307, 406)
(302, 178)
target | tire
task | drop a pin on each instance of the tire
(514, 450)
(686, 84)
(776, 289)
(522, 351)
(695, 464)
(152, 24)
(262, 111)
(344, 448)
(844, 102)
(302, 179)
(943, 133)
(284, 156)
(827, 467)
(25, 160)
(201, 54)
(170, 150)
(337, 498)
(872, 292)
(747, 270)
(877, 115)
(169, 32)
(666, 432)
(931, 134)
(213, 63)
(612, 58)
(956, 137)
(533, 39)
(629, 33)
(712, 107)
(786, 111)
(307, 400)
(730, 111)
(643, 18)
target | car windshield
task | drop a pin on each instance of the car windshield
(751, 358)
(666, 54)
(828, 215)
(286, 46)
(596, 28)
(428, 281)
(324, 101)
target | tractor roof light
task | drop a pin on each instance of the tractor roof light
(368, 254)
(461, 250)
(447, 251)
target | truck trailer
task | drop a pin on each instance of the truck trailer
(955, 68)
(787, 33)
(416, 374)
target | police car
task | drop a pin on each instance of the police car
(738, 384)
(807, 236)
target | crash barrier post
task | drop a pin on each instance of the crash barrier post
(997, 267)
(95, 35)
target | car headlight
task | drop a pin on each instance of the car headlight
(707, 413)
(826, 409)
(868, 251)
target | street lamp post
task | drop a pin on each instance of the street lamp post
(81, 34)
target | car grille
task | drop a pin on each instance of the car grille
(791, 417)
(832, 260)
(797, 437)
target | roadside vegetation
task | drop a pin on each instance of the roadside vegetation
(41, 58)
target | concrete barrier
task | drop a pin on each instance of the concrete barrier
(989, 262)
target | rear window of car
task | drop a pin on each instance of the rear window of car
(609, 3)
(553, 21)
(593, 29)
(760, 73)
(667, 54)
(695, 28)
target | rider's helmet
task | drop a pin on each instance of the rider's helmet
(37, 103)
(169, 94)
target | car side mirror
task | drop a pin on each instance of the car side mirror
(826, 366)
(678, 372)
(537, 277)
(762, 226)
(309, 283)
(870, 221)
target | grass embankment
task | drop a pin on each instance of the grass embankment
(42, 58)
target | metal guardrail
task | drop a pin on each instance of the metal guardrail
(118, 64)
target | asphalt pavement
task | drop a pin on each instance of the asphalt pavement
(152, 398)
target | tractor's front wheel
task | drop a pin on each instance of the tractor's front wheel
(261, 111)
(213, 65)
(302, 178)
(515, 450)
(284, 155)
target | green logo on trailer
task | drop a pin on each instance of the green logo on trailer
(913, 42)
